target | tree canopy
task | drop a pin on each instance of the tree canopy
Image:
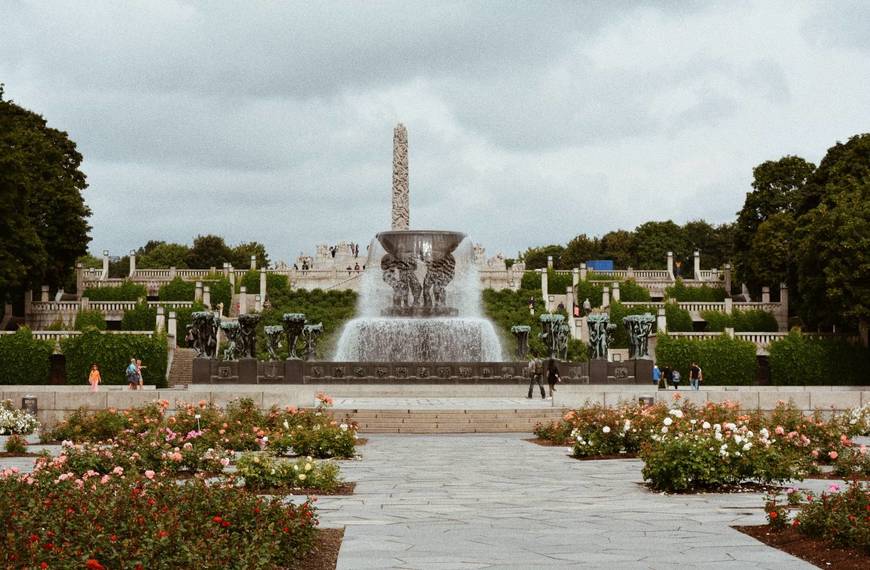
(44, 227)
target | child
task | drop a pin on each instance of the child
(94, 377)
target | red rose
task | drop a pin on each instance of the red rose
(92, 564)
(217, 519)
(773, 514)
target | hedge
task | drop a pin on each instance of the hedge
(630, 291)
(177, 290)
(704, 293)
(144, 318)
(220, 291)
(24, 359)
(274, 283)
(725, 361)
(679, 320)
(127, 291)
(802, 360)
(752, 320)
(112, 352)
(90, 318)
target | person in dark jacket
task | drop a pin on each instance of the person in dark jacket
(552, 376)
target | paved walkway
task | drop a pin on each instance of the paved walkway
(496, 501)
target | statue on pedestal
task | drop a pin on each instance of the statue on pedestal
(233, 332)
(552, 334)
(600, 334)
(521, 332)
(639, 328)
(293, 324)
(273, 339)
(310, 333)
(248, 335)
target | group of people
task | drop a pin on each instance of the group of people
(354, 249)
(133, 373)
(668, 375)
(536, 374)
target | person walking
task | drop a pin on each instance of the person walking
(667, 377)
(132, 374)
(139, 368)
(536, 373)
(94, 377)
(552, 376)
(695, 376)
(656, 375)
(676, 379)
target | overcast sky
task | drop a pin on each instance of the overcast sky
(528, 122)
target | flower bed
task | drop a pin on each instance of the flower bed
(16, 422)
(263, 471)
(131, 521)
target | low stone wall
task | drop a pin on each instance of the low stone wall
(56, 402)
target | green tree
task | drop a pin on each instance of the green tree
(44, 227)
(619, 246)
(242, 255)
(161, 255)
(209, 251)
(771, 256)
(714, 242)
(579, 250)
(655, 239)
(536, 257)
(834, 238)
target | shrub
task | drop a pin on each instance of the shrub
(142, 317)
(798, 359)
(90, 318)
(704, 293)
(265, 471)
(145, 522)
(16, 445)
(725, 361)
(317, 440)
(853, 462)
(14, 421)
(127, 291)
(678, 319)
(839, 517)
(177, 290)
(752, 320)
(112, 352)
(630, 291)
(275, 283)
(84, 425)
(24, 359)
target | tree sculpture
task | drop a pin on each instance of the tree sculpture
(310, 333)
(293, 324)
(273, 339)
(600, 334)
(552, 333)
(233, 332)
(521, 332)
(639, 328)
(248, 335)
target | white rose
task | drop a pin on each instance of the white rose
(606, 429)
(705, 425)
(668, 421)
(677, 413)
(664, 429)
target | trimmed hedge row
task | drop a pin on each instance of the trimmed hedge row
(112, 352)
(801, 360)
(752, 320)
(143, 317)
(725, 361)
(178, 289)
(127, 291)
(705, 293)
(24, 359)
(274, 283)
(90, 318)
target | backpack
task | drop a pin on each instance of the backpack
(131, 374)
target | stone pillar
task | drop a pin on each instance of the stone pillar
(583, 272)
(729, 305)
(253, 263)
(615, 292)
(629, 273)
(160, 325)
(661, 321)
(232, 275)
(80, 280)
(211, 270)
(173, 330)
(729, 331)
(206, 296)
(105, 274)
(697, 267)
(85, 304)
(549, 262)
(197, 293)
(263, 285)
(43, 294)
(671, 265)
(765, 294)
(401, 215)
(783, 308)
(243, 300)
(544, 290)
(575, 278)
(226, 269)
(258, 304)
(172, 272)
(605, 297)
(132, 263)
(728, 278)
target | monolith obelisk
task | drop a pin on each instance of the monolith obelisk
(401, 205)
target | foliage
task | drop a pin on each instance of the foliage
(146, 522)
(841, 517)
(160, 255)
(802, 360)
(600, 430)
(320, 439)
(14, 421)
(536, 257)
(262, 471)
(241, 255)
(678, 319)
(852, 462)
(332, 308)
(703, 294)
(580, 250)
(127, 291)
(84, 425)
(90, 319)
(725, 361)
(112, 352)
(750, 320)
(177, 290)
(44, 228)
(142, 317)
(16, 445)
(631, 292)
(654, 239)
(275, 283)
(24, 359)
(209, 251)
(220, 291)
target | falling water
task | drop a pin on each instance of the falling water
(466, 337)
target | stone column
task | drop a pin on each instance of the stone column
(172, 272)
(728, 278)
(615, 292)
(258, 304)
(226, 269)
(549, 262)
(132, 263)
(605, 297)
(43, 294)
(80, 280)
(243, 300)
(105, 274)
(206, 296)
(232, 275)
(765, 294)
(729, 331)
(544, 290)
(263, 285)
(583, 272)
(575, 277)
(661, 321)
(85, 304)
(729, 305)
(197, 293)
(671, 265)
(697, 267)
(173, 330)
(160, 325)
(629, 273)
(253, 263)
(782, 317)
(401, 216)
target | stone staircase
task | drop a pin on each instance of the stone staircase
(449, 421)
(181, 372)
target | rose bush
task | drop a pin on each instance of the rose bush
(265, 471)
(14, 421)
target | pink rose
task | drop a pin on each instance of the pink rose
(149, 474)
(779, 430)
(225, 461)
(833, 454)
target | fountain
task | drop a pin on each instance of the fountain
(420, 297)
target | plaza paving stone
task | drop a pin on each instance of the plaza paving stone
(496, 501)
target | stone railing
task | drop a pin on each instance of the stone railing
(55, 336)
(701, 306)
(55, 307)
